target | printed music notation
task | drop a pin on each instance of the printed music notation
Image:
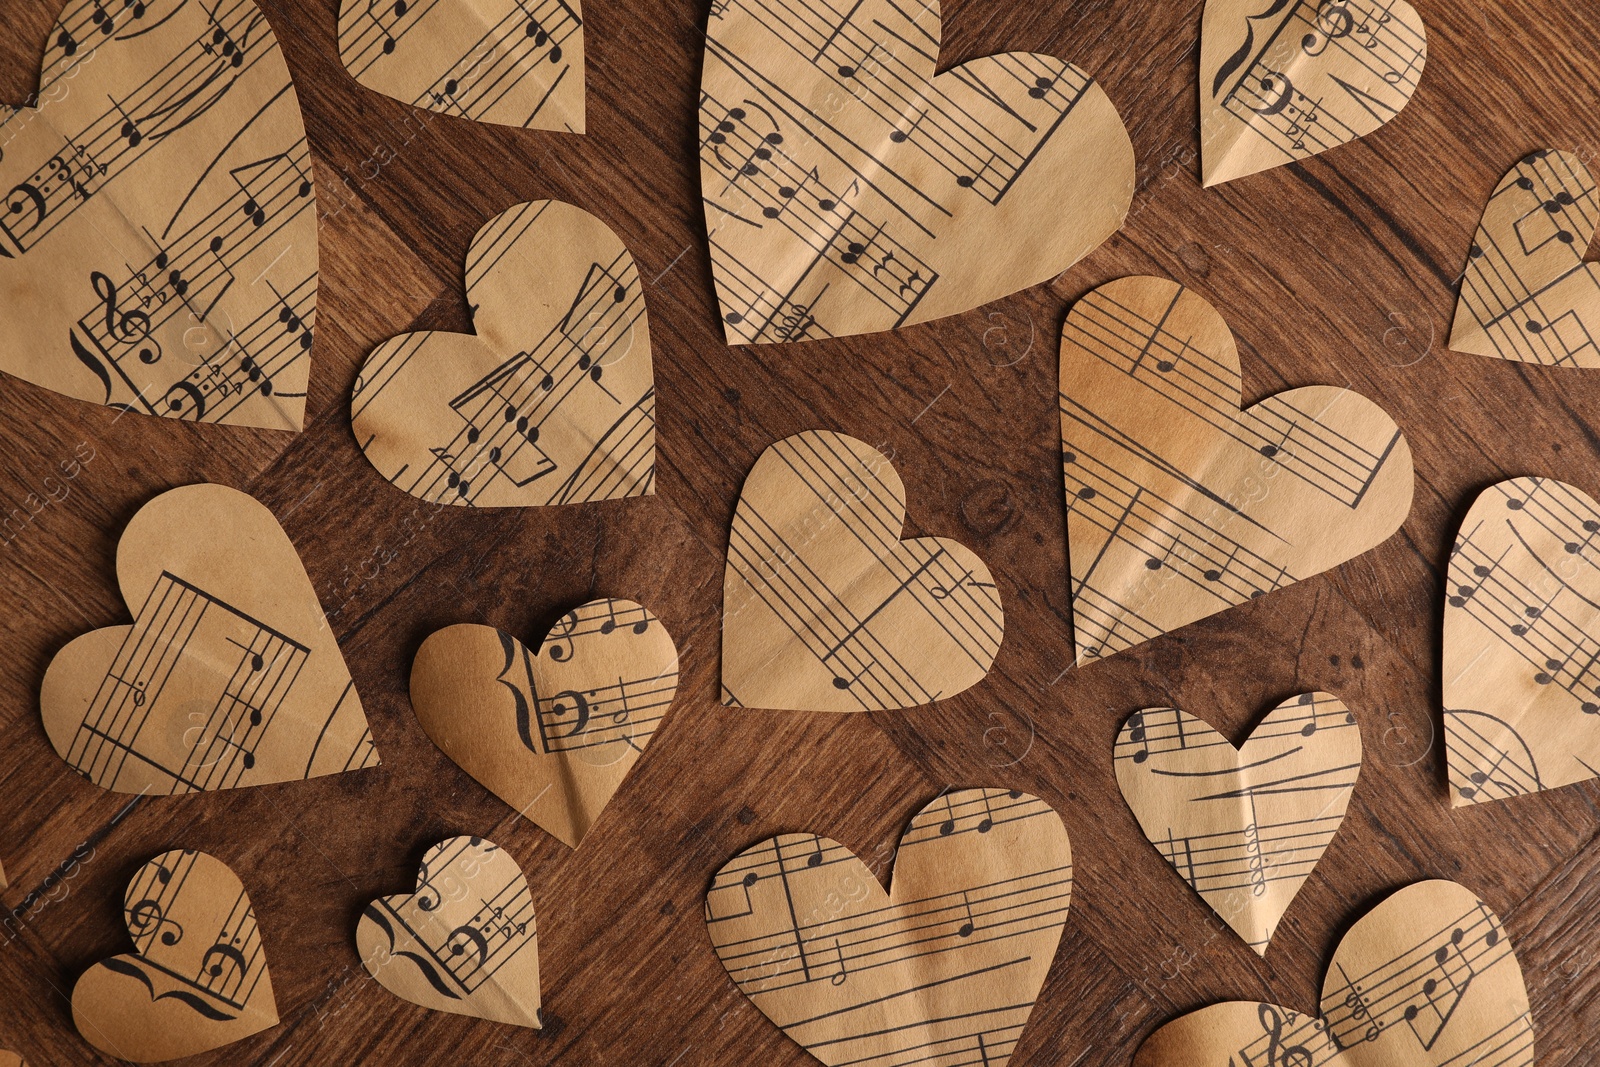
(509, 62)
(1282, 80)
(825, 608)
(1526, 293)
(941, 971)
(552, 401)
(1179, 505)
(847, 190)
(158, 233)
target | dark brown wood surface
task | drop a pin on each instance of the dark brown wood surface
(1340, 270)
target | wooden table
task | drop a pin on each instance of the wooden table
(1337, 271)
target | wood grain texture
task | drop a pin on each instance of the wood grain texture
(1337, 270)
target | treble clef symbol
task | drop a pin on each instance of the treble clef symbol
(1279, 1054)
(129, 326)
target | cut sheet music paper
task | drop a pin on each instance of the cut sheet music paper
(229, 675)
(847, 190)
(1243, 826)
(825, 608)
(1428, 978)
(197, 978)
(943, 969)
(551, 401)
(1179, 505)
(510, 62)
(1281, 80)
(158, 225)
(552, 733)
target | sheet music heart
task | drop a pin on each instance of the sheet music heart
(1243, 826)
(848, 190)
(197, 979)
(552, 401)
(510, 62)
(1527, 294)
(464, 942)
(951, 959)
(1179, 505)
(551, 733)
(824, 608)
(158, 239)
(1281, 80)
(229, 675)
(1427, 978)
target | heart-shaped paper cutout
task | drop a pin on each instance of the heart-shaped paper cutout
(553, 734)
(464, 942)
(158, 242)
(942, 969)
(1527, 293)
(197, 978)
(11, 1059)
(847, 190)
(1243, 826)
(229, 675)
(1179, 505)
(824, 608)
(552, 401)
(1281, 80)
(1427, 978)
(510, 62)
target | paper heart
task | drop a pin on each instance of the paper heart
(464, 942)
(158, 242)
(554, 733)
(944, 968)
(197, 978)
(1281, 80)
(848, 190)
(1243, 826)
(500, 61)
(552, 401)
(1425, 979)
(1527, 293)
(1179, 505)
(824, 608)
(11, 1059)
(229, 675)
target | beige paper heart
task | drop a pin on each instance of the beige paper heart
(1527, 294)
(847, 190)
(1179, 505)
(1281, 80)
(158, 228)
(1243, 826)
(942, 969)
(824, 608)
(197, 978)
(229, 675)
(464, 942)
(552, 401)
(510, 62)
(11, 1059)
(1427, 978)
(553, 734)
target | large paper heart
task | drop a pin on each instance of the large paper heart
(1428, 978)
(1282, 80)
(1527, 293)
(1243, 826)
(197, 978)
(847, 190)
(158, 228)
(511, 62)
(1179, 505)
(944, 969)
(553, 734)
(229, 675)
(552, 401)
(464, 942)
(824, 608)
